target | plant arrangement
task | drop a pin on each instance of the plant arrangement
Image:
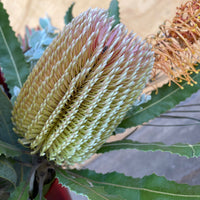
(65, 93)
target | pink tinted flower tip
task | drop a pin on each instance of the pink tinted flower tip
(81, 88)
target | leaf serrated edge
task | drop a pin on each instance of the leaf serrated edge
(82, 185)
(174, 91)
(69, 12)
(127, 145)
(11, 57)
(10, 147)
(18, 79)
(134, 188)
(149, 105)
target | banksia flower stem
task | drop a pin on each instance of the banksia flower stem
(175, 46)
(81, 88)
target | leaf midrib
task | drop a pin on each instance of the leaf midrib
(150, 144)
(82, 184)
(134, 188)
(5, 124)
(11, 57)
(129, 145)
(161, 99)
(8, 146)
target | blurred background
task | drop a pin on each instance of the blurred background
(143, 17)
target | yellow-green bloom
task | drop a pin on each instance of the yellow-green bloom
(81, 88)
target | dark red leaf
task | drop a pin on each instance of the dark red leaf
(57, 191)
(3, 83)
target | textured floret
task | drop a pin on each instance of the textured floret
(81, 88)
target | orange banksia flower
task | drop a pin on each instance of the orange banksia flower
(175, 46)
(81, 88)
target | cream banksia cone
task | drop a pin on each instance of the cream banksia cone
(81, 88)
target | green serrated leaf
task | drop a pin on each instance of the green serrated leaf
(149, 187)
(167, 98)
(12, 60)
(7, 172)
(21, 192)
(82, 185)
(7, 135)
(113, 10)
(6, 132)
(187, 150)
(68, 16)
(9, 150)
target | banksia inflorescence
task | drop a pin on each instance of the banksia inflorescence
(81, 88)
(175, 45)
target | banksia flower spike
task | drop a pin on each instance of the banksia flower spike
(175, 46)
(81, 88)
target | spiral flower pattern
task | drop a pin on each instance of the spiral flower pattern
(81, 88)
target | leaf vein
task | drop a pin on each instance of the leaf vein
(83, 185)
(10, 54)
(137, 188)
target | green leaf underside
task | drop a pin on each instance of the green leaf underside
(12, 60)
(21, 192)
(9, 150)
(6, 132)
(187, 150)
(68, 16)
(7, 172)
(113, 10)
(81, 185)
(167, 98)
(114, 184)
